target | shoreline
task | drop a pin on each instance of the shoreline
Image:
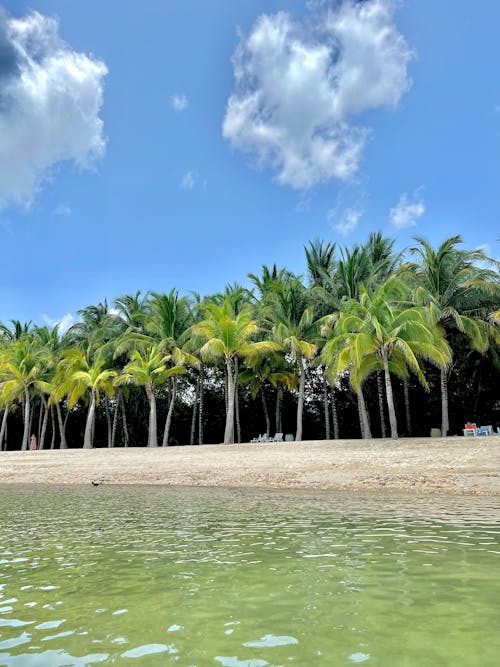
(450, 466)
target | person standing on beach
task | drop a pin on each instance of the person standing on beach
(33, 443)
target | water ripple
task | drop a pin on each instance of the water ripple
(245, 579)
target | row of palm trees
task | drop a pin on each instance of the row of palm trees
(363, 314)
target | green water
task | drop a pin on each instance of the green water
(159, 576)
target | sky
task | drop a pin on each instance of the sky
(185, 143)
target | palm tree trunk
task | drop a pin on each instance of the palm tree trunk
(87, 440)
(326, 409)
(124, 421)
(406, 392)
(381, 407)
(27, 415)
(168, 421)
(229, 430)
(201, 406)
(279, 401)
(3, 428)
(115, 421)
(194, 412)
(226, 394)
(364, 422)
(335, 417)
(53, 425)
(300, 402)
(152, 431)
(266, 411)
(40, 417)
(108, 420)
(43, 431)
(62, 427)
(32, 414)
(445, 423)
(237, 401)
(390, 400)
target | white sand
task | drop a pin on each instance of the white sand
(454, 465)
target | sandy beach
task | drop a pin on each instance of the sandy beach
(453, 465)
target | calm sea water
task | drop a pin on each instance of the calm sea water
(160, 576)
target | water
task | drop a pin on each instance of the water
(160, 576)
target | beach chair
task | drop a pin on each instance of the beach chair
(255, 439)
(470, 429)
(278, 437)
(485, 430)
(264, 438)
(289, 437)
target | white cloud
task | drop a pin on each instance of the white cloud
(347, 222)
(192, 179)
(50, 99)
(179, 102)
(62, 210)
(189, 180)
(407, 212)
(297, 86)
(64, 322)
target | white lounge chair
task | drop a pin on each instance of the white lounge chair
(470, 429)
(278, 437)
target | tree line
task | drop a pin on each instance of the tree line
(369, 343)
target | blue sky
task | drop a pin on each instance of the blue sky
(185, 143)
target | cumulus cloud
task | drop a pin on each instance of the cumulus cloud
(298, 86)
(407, 211)
(346, 222)
(50, 99)
(179, 102)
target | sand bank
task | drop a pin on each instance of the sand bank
(454, 465)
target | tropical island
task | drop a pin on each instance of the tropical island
(369, 344)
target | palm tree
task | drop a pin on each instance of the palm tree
(239, 297)
(168, 320)
(51, 344)
(320, 259)
(133, 310)
(192, 344)
(321, 267)
(22, 365)
(93, 327)
(79, 376)
(18, 330)
(97, 332)
(271, 280)
(462, 292)
(294, 329)
(148, 367)
(383, 330)
(228, 337)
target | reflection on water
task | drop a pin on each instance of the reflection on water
(160, 576)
